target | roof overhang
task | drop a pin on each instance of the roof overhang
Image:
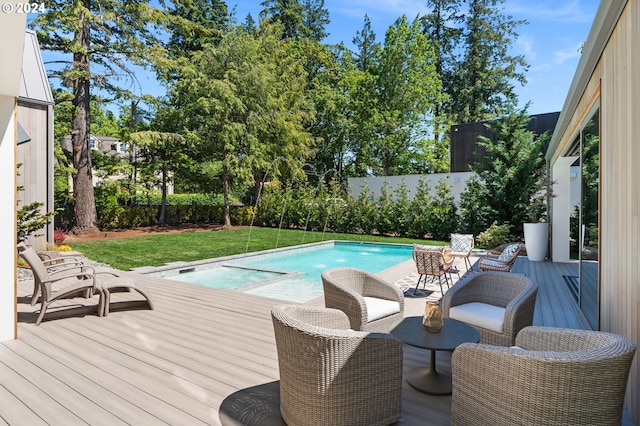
(603, 24)
(12, 27)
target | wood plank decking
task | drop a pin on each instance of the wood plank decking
(202, 356)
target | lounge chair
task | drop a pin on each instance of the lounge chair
(332, 375)
(60, 280)
(74, 276)
(502, 262)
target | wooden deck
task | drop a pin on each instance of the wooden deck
(202, 356)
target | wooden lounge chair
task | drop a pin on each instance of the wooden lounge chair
(502, 262)
(60, 280)
(332, 375)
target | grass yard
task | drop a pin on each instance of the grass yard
(158, 249)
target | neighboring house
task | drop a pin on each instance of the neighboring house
(110, 145)
(599, 131)
(464, 146)
(35, 137)
(12, 32)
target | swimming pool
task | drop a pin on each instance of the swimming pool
(292, 273)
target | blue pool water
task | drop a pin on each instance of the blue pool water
(293, 274)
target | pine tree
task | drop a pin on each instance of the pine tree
(483, 86)
(101, 39)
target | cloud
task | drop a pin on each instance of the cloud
(525, 43)
(563, 55)
(580, 11)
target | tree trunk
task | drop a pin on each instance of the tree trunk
(163, 205)
(225, 193)
(86, 218)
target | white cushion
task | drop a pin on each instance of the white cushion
(479, 314)
(380, 308)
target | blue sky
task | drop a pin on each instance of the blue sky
(550, 42)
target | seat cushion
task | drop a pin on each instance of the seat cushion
(380, 308)
(489, 263)
(479, 314)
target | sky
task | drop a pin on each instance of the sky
(550, 42)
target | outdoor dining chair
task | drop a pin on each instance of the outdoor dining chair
(434, 263)
(461, 247)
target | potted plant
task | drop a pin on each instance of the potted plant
(536, 231)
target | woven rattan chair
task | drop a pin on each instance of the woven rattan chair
(371, 303)
(497, 304)
(502, 262)
(434, 263)
(557, 377)
(461, 247)
(332, 375)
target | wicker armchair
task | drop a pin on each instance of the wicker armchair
(434, 262)
(502, 262)
(331, 375)
(497, 304)
(556, 377)
(371, 303)
(461, 247)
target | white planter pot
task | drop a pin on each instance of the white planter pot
(536, 240)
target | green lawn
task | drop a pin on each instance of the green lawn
(156, 250)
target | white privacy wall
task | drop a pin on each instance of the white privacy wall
(457, 182)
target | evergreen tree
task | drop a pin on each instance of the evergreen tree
(510, 171)
(240, 101)
(202, 21)
(368, 49)
(290, 13)
(101, 39)
(315, 19)
(483, 86)
(300, 18)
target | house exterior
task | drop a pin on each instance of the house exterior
(599, 131)
(35, 140)
(12, 31)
